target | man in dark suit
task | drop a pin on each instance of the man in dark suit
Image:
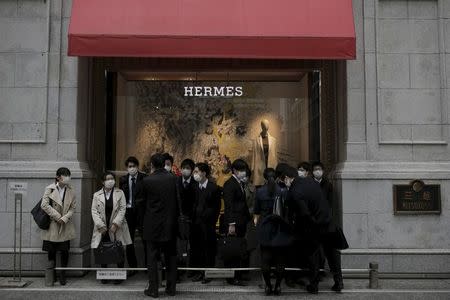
(206, 210)
(130, 184)
(236, 213)
(160, 198)
(312, 218)
(328, 251)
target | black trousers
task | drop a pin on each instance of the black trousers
(272, 257)
(203, 245)
(131, 218)
(154, 251)
(64, 257)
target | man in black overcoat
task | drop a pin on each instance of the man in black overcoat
(161, 202)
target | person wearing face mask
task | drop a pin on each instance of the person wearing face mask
(304, 169)
(327, 251)
(130, 184)
(312, 219)
(169, 166)
(236, 213)
(206, 210)
(108, 213)
(59, 203)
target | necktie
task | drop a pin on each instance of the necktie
(185, 184)
(133, 185)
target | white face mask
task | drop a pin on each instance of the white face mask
(245, 179)
(197, 177)
(186, 172)
(65, 179)
(109, 184)
(241, 175)
(288, 182)
(301, 173)
(132, 171)
(168, 168)
(318, 174)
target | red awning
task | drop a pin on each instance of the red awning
(286, 29)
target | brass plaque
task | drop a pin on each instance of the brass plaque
(417, 198)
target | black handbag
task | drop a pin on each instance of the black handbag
(109, 252)
(41, 218)
(232, 248)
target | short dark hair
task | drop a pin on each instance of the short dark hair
(167, 156)
(188, 163)
(317, 164)
(239, 165)
(132, 159)
(203, 167)
(290, 172)
(158, 160)
(280, 169)
(304, 165)
(106, 174)
(63, 171)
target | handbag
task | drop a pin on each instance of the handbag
(232, 248)
(109, 252)
(41, 218)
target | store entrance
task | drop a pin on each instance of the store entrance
(211, 110)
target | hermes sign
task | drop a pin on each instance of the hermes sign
(213, 91)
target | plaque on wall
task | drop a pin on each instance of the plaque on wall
(417, 198)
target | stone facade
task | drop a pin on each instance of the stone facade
(393, 116)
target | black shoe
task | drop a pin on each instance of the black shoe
(206, 280)
(117, 282)
(312, 289)
(338, 286)
(132, 273)
(153, 294)
(236, 282)
(268, 290)
(197, 277)
(104, 281)
(277, 290)
(62, 278)
(170, 293)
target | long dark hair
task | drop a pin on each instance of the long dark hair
(270, 175)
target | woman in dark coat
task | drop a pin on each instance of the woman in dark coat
(273, 232)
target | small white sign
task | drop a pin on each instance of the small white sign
(18, 187)
(219, 274)
(112, 275)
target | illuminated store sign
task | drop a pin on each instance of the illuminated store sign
(213, 91)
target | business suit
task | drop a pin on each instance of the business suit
(236, 212)
(132, 212)
(187, 195)
(259, 158)
(206, 210)
(160, 199)
(312, 219)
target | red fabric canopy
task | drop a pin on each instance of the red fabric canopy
(281, 29)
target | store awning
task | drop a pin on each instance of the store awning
(280, 29)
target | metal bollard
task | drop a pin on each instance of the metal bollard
(49, 277)
(373, 275)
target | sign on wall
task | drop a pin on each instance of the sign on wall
(417, 198)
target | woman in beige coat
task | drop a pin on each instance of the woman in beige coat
(108, 213)
(59, 203)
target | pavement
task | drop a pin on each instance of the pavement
(87, 287)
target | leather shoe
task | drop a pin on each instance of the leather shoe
(312, 289)
(206, 280)
(132, 273)
(62, 278)
(236, 282)
(153, 294)
(104, 281)
(170, 292)
(338, 286)
(197, 277)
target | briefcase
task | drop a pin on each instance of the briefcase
(110, 252)
(41, 218)
(232, 248)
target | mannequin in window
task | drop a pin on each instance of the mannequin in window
(264, 153)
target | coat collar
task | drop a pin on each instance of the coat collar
(57, 198)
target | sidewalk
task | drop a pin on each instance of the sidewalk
(87, 287)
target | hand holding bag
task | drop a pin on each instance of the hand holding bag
(109, 252)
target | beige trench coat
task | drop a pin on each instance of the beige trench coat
(258, 160)
(117, 217)
(57, 210)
